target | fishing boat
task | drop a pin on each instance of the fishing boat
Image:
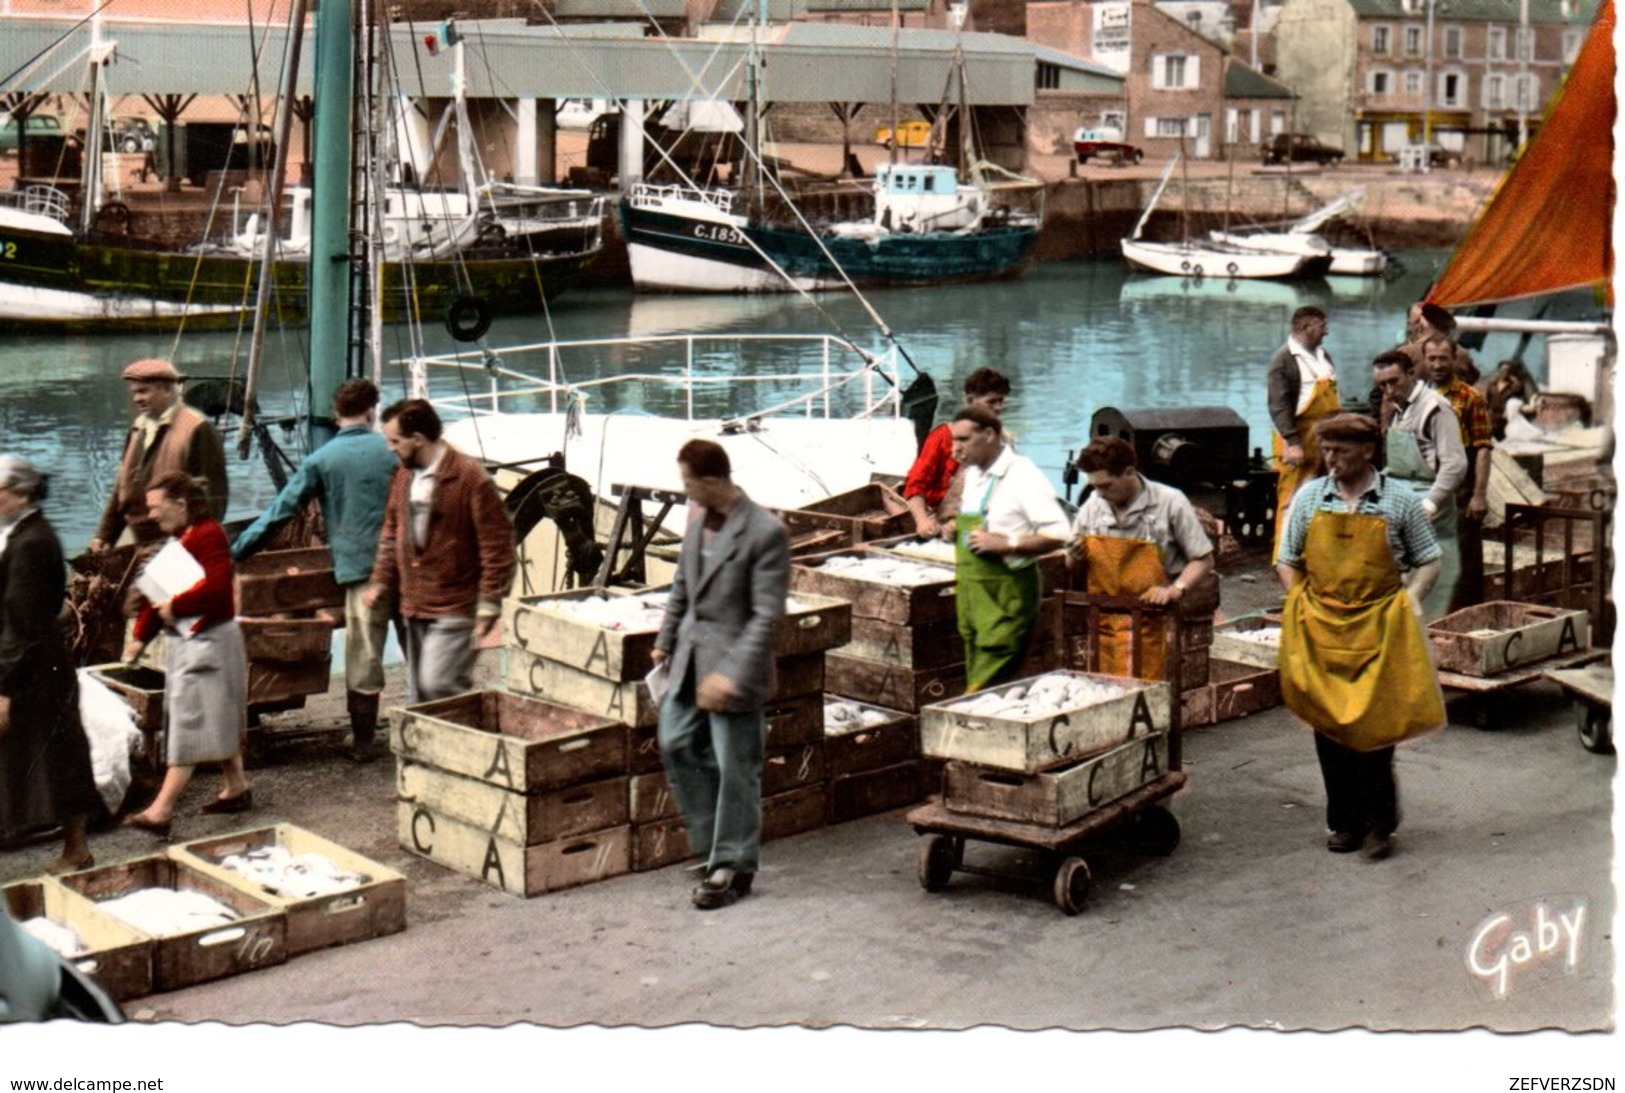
(931, 223)
(1192, 258)
(78, 266)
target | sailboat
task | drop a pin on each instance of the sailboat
(929, 225)
(89, 273)
(1302, 236)
(1190, 258)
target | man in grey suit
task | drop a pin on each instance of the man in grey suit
(717, 645)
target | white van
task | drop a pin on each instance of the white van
(581, 113)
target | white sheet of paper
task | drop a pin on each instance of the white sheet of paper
(170, 571)
(659, 681)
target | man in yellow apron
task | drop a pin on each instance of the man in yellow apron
(1139, 538)
(1008, 516)
(1302, 391)
(1354, 663)
(1422, 442)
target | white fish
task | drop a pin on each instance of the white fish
(630, 613)
(295, 876)
(165, 912)
(59, 937)
(1046, 696)
(844, 716)
(882, 569)
(1264, 635)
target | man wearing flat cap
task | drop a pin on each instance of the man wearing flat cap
(168, 435)
(1357, 557)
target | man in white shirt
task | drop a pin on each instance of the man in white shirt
(1008, 516)
(1302, 391)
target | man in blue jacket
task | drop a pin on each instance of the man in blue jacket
(349, 476)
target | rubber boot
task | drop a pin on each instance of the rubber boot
(363, 725)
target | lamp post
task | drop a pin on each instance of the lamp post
(1525, 47)
(1427, 92)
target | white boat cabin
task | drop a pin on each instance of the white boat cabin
(925, 197)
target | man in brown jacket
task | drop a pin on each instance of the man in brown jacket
(445, 552)
(168, 435)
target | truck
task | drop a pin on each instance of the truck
(1100, 141)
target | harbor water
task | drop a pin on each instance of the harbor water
(1073, 337)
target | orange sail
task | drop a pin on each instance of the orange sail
(1546, 227)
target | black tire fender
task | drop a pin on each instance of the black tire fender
(468, 318)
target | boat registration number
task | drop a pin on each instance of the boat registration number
(719, 233)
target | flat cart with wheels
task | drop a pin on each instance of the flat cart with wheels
(1480, 690)
(1137, 815)
(1592, 688)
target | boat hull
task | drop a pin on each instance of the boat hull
(672, 253)
(59, 282)
(1190, 261)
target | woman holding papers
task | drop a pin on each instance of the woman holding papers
(187, 587)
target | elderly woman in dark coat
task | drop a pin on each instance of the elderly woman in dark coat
(45, 775)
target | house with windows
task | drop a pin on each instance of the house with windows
(1469, 76)
(1180, 85)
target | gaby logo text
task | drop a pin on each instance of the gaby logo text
(1500, 947)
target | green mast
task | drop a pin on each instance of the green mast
(329, 280)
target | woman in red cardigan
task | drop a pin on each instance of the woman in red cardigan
(205, 668)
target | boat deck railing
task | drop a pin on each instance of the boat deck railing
(647, 195)
(829, 377)
(38, 198)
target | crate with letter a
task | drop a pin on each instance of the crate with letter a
(115, 954)
(374, 907)
(1061, 795)
(508, 865)
(1492, 637)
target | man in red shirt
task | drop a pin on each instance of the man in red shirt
(931, 478)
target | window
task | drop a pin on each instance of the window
(1379, 41)
(1451, 89)
(1413, 41)
(1165, 127)
(1048, 76)
(1526, 43)
(1380, 81)
(1114, 119)
(1495, 43)
(1452, 41)
(1175, 71)
(1571, 45)
(1495, 92)
(1528, 90)
(1413, 82)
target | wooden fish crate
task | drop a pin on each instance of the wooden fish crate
(659, 844)
(650, 798)
(862, 514)
(1226, 646)
(1052, 567)
(1034, 744)
(117, 955)
(1232, 691)
(527, 819)
(1057, 797)
(812, 542)
(287, 658)
(142, 689)
(630, 702)
(789, 722)
(374, 908)
(792, 768)
(536, 624)
(1495, 636)
(795, 811)
(905, 646)
(258, 938)
(510, 740)
(858, 748)
(811, 624)
(892, 686)
(643, 750)
(903, 605)
(276, 581)
(870, 792)
(511, 866)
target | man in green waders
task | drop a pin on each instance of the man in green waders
(1008, 516)
(1423, 451)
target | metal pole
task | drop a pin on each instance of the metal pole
(1427, 91)
(329, 279)
(1523, 71)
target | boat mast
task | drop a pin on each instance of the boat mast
(896, 20)
(329, 278)
(95, 139)
(750, 190)
(270, 229)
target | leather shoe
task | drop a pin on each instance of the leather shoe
(724, 887)
(160, 828)
(1344, 842)
(220, 805)
(1377, 847)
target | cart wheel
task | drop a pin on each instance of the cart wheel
(937, 861)
(1072, 885)
(1596, 729)
(1158, 831)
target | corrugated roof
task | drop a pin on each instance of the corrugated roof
(620, 9)
(1075, 63)
(1545, 12)
(843, 34)
(867, 5)
(1242, 82)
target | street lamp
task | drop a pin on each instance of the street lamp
(1427, 92)
(1525, 47)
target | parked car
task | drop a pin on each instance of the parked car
(1300, 148)
(39, 125)
(916, 133)
(1440, 156)
(134, 135)
(1109, 143)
